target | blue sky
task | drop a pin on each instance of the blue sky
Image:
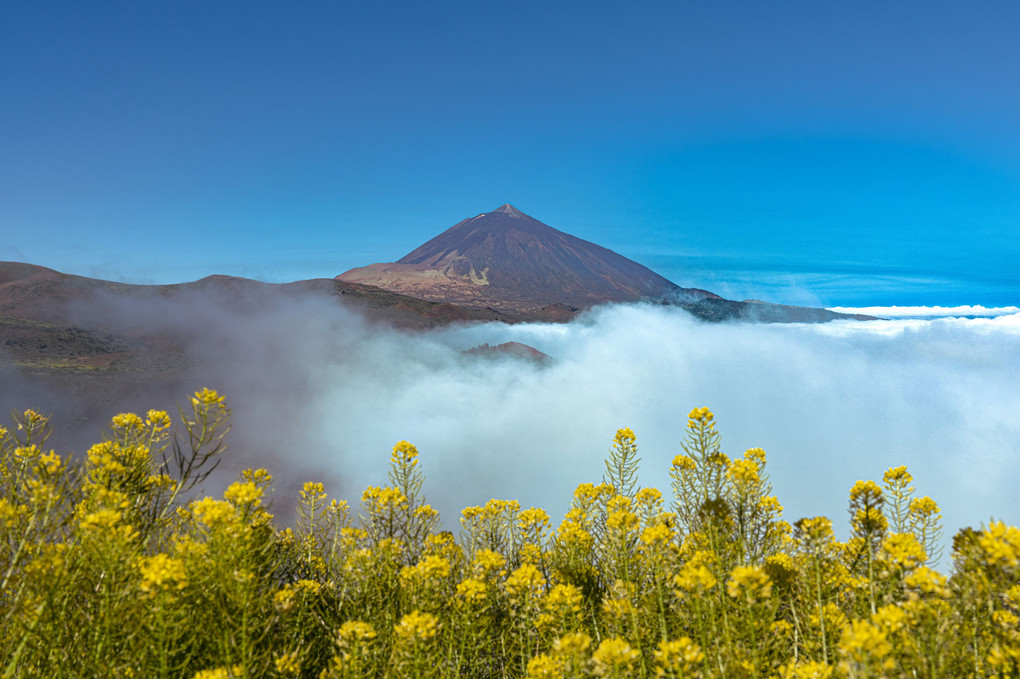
(802, 152)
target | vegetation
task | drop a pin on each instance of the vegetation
(108, 570)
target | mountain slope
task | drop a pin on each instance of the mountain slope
(509, 261)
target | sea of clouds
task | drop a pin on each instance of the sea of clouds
(319, 393)
(322, 394)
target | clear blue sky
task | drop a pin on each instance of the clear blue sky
(805, 152)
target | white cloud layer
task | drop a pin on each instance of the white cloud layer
(320, 394)
(928, 311)
(830, 403)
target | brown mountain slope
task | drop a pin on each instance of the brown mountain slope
(36, 293)
(511, 262)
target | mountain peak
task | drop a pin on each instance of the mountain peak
(510, 210)
(508, 261)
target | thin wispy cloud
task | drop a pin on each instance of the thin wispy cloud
(929, 311)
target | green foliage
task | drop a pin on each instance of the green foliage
(622, 463)
(110, 570)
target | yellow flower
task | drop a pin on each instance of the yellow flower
(312, 491)
(355, 630)
(648, 497)
(929, 582)
(695, 573)
(161, 571)
(533, 519)
(749, 583)
(815, 531)
(613, 656)
(487, 562)
(288, 595)
(755, 454)
(1001, 545)
(718, 459)
(898, 475)
(701, 415)
(618, 604)
(570, 535)
(544, 667)
(563, 599)
(684, 463)
(157, 419)
(531, 553)
(525, 583)
(212, 512)
(426, 512)
(923, 507)
(246, 493)
(207, 397)
(572, 644)
(863, 641)
(1003, 659)
(623, 521)
(101, 520)
(188, 548)
(260, 477)
(27, 452)
(471, 590)
(104, 459)
(676, 656)
(308, 587)
(831, 615)
(417, 626)
(868, 520)
(429, 569)
(159, 482)
(903, 550)
(891, 618)
(10, 513)
(743, 473)
(128, 421)
(404, 452)
(381, 500)
(659, 534)
(50, 463)
(585, 494)
(496, 507)
(1005, 619)
(288, 664)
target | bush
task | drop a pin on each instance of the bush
(108, 570)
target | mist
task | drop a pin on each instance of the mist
(320, 393)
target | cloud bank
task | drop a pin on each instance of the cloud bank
(321, 394)
(971, 311)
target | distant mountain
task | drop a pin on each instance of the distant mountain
(514, 265)
(82, 348)
(510, 262)
(36, 293)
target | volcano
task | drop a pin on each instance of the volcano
(508, 261)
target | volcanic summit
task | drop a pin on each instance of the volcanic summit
(507, 260)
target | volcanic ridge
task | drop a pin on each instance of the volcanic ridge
(509, 261)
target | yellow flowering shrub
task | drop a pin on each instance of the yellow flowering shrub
(110, 567)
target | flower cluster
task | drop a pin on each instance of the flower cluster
(110, 568)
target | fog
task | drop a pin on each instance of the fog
(319, 393)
